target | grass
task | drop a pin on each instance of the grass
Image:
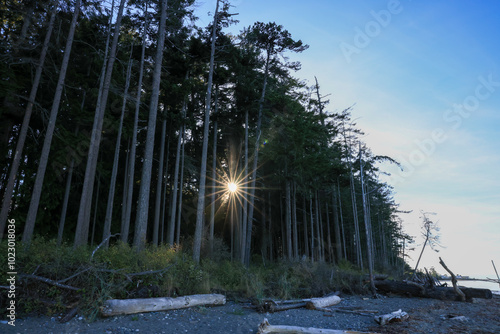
(120, 272)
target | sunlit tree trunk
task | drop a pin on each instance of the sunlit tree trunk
(7, 199)
(141, 222)
(44, 158)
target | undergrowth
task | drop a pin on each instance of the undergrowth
(121, 272)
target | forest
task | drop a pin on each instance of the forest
(126, 122)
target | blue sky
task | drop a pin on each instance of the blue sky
(425, 78)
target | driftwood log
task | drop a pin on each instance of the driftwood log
(397, 316)
(266, 328)
(443, 293)
(458, 291)
(321, 303)
(271, 306)
(130, 306)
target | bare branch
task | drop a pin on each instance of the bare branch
(102, 243)
(49, 281)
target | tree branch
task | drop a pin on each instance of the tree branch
(453, 280)
(49, 281)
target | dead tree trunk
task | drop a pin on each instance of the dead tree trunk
(443, 293)
(130, 306)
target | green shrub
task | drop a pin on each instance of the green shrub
(119, 271)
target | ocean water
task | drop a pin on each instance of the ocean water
(494, 287)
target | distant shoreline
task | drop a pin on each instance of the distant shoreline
(468, 279)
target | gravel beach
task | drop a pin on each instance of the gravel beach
(426, 316)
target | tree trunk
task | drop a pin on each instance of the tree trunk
(294, 219)
(214, 177)
(96, 206)
(130, 306)
(125, 228)
(62, 220)
(244, 219)
(357, 238)
(255, 163)
(159, 182)
(304, 217)
(214, 180)
(44, 158)
(141, 222)
(318, 228)
(443, 293)
(181, 188)
(125, 184)
(200, 210)
(328, 235)
(7, 198)
(271, 241)
(342, 222)
(165, 183)
(116, 159)
(82, 227)
(67, 191)
(312, 227)
(173, 204)
(367, 220)
(288, 221)
(336, 226)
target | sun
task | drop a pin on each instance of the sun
(233, 187)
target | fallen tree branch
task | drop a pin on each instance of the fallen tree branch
(74, 275)
(358, 311)
(270, 306)
(266, 328)
(453, 280)
(49, 281)
(70, 315)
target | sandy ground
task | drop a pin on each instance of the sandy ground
(425, 316)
